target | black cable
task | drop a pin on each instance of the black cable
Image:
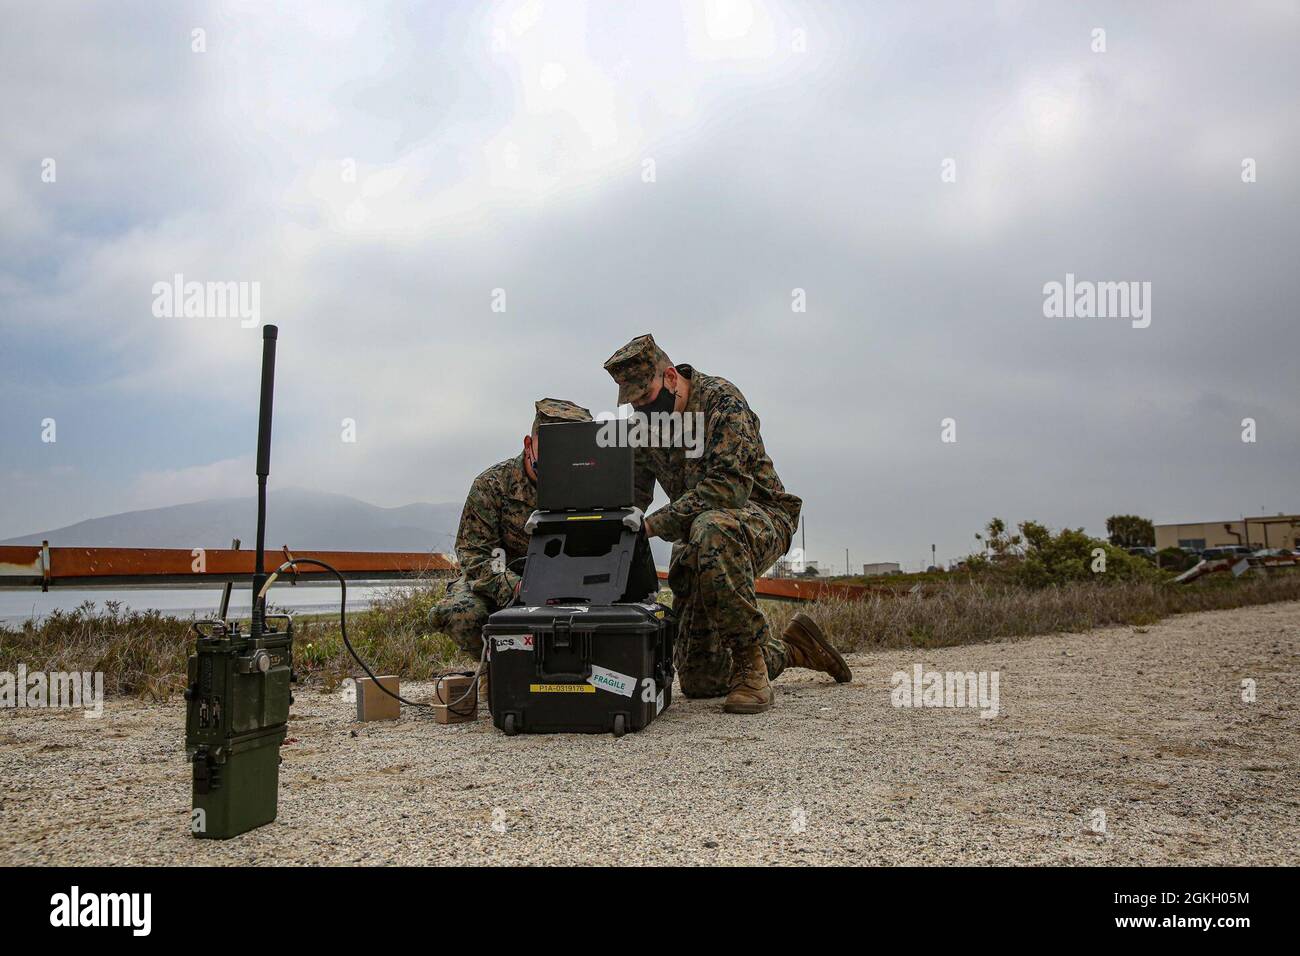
(343, 629)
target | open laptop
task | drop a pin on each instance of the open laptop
(575, 473)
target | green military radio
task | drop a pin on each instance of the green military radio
(238, 696)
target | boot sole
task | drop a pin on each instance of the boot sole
(747, 708)
(806, 624)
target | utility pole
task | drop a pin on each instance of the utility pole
(933, 563)
(846, 561)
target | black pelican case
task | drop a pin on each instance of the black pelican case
(579, 668)
(587, 649)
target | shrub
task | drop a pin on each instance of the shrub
(1130, 531)
(1037, 558)
(1071, 555)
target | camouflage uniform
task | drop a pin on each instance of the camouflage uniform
(491, 537)
(729, 518)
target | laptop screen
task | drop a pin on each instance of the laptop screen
(575, 473)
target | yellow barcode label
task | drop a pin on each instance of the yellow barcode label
(561, 689)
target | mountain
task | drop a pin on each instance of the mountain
(304, 520)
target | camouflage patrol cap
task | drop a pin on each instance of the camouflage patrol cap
(635, 366)
(550, 411)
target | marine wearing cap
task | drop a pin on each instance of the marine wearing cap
(729, 517)
(553, 411)
(635, 366)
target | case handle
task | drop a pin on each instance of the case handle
(563, 636)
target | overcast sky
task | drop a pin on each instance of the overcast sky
(793, 146)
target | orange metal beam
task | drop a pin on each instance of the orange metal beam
(24, 566)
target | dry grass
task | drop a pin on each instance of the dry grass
(969, 612)
(140, 653)
(144, 653)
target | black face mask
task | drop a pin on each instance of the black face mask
(664, 403)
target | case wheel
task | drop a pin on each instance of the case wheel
(620, 725)
(509, 726)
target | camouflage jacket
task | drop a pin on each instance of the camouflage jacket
(500, 501)
(733, 470)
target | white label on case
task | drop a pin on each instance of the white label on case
(513, 642)
(612, 681)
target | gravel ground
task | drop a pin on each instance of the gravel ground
(1147, 725)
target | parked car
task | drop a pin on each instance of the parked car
(1143, 552)
(1227, 551)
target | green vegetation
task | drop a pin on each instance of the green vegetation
(1042, 559)
(392, 636)
(1130, 531)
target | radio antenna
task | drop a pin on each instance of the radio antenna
(269, 335)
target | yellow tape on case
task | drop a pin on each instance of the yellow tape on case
(561, 689)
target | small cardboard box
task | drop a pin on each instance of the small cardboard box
(373, 703)
(460, 697)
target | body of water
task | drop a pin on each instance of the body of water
(19, 606)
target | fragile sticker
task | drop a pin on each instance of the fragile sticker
(513, 642)
(612, 681)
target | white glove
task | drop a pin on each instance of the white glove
(632, 520)
(533, 520)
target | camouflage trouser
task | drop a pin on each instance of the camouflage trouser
(712, 578)
(461, 615)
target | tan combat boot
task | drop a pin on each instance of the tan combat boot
(750, 691)
(808, 647)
